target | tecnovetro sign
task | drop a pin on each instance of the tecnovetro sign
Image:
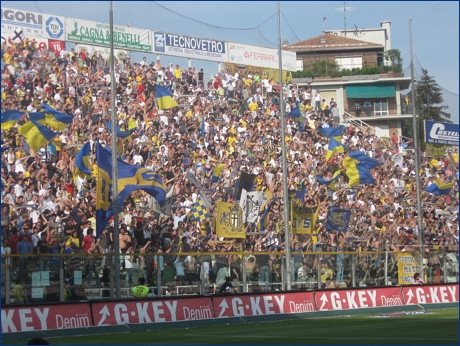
(189, 47)
(441, 133)
(31, 24)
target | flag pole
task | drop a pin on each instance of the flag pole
(116, 239)
(416, 155)
(287, 244)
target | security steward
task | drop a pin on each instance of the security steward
(227, 287)
(140, 291)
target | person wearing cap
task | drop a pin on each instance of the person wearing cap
(227, 287)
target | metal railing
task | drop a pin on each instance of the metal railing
(80, 276)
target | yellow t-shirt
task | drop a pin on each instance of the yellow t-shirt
(178, 73)
(253, 106)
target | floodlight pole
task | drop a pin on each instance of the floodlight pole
(116, 238)
(416, 154)
(287, 232)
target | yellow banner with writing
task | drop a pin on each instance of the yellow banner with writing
(303, 219)
(407, 267)
(435, 150)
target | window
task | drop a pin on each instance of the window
(299, 65)
(349, 62)
(380, 107)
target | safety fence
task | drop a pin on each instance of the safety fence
(175, 309)
(39, 278)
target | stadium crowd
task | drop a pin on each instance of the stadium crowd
(45, 210)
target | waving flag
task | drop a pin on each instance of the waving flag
(198, 211)
(164, 96)
(295, 112)
(263, 219)
(250, 203)
(337, 219)
(439, 188)
(120, 133)
(357, 174)
(9, 118)
(36, 134)
(130, 178)
(82, 162)
(229, 221)
(335, 136)
(203, 196)
(330, 183)
(363, 159)
(165, 208)
(52, 118)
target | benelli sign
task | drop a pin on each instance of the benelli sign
(33, 24)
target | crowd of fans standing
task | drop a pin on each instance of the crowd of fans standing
(44, 209)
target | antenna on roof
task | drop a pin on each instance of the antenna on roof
(344, 10)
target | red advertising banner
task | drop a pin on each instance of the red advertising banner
(56, 45)
(356, 299)
(267, 304)
(152, 311)
(430, 294)
(22, 319)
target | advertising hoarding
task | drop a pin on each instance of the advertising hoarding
(260, 56)
(189, 47)
(31, 24)
(85, 31)
(441, 133)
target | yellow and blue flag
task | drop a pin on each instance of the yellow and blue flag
(263, 219)
(82, 162)
(229, 221)
(357, 173)
(335, 136)
(51, 117)
(198, 211)
(130, 178)
(439, 188)
(121, 133)
(36, 134)
(337, 219)
(9, 118)
(303, 219)
(363, 159)
(330, 183)
(164, 97)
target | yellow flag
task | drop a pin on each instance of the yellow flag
(303, 219)
(229, 221)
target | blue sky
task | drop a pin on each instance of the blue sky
(435, 24)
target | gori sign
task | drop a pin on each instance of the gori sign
(31, 24)
(85, 31)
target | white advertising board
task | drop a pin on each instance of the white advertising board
(31, 25)
(259, 56)
(189, 47)
(88, 32)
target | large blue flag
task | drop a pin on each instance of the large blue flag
(363, 159)
(338, 219)
(439, 188)
(130, 178)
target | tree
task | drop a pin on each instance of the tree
(429, 98)
(394, 57)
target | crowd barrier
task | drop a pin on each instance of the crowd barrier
(164, 310)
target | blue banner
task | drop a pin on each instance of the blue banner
(441, 133)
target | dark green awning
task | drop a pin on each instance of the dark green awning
(370, 91)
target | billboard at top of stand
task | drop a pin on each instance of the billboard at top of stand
(98, 34)
(189, 47)
(19, 23)
(244, 54)
(441, 133)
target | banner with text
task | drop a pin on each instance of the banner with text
(357, 299)
(49, 317)
(430, 294)
(260, 56)
(120, 54)
(407, 267)
(260, 305)
(152, 311)
(441, 133)
(189, 47)
(17, 23)
(85, 31)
